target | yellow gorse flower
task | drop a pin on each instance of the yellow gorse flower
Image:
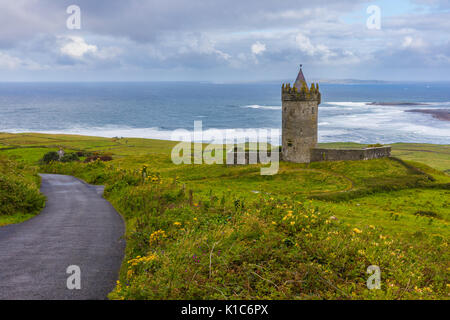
(157, 236)
(138, 260)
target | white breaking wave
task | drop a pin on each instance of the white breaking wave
(348, 104)
(271, 135)
(257, 106)
(338, 121)
(420, 105)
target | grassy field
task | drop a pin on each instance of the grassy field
(20, 198)
(309, 232)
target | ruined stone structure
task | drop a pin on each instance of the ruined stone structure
(322, 154)
(300, 106)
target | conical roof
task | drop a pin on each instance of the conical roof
(300, 79)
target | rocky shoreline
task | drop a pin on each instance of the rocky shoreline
(440, 114)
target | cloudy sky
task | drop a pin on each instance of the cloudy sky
(222, 41)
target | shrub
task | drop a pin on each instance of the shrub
(69, 157)
(19, 189)
(98, 157)
(426, 213)
(106, 158)
(50, 156)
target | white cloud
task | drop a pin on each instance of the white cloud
(108, 52)
(410, 42)
(258, 48)
(200, 44)
(8, 62)
(76, 47)
(305, 45)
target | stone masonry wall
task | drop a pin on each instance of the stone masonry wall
(317, 154)
(322, 154)
(299, 129)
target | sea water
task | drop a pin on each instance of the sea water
(154, 110)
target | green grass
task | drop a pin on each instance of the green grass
(435, 156)
(309, 232)
(19, 192)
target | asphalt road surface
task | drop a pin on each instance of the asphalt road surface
(77, 228)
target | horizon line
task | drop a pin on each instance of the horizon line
(330, 81)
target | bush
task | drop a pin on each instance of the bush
(69, 157)
(98, 157)
(18, 196)
(427, 213)
(19, 189)
(106, 158)
(50, 156)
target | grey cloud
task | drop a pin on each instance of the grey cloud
(137, 36)
(147, 20)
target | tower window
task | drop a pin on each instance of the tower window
(312, 110)
(289, 143)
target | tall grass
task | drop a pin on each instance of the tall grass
(19, 191)
(186, 245)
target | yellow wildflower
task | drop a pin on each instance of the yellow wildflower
(129, 273)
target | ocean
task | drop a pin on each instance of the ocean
(154, 110)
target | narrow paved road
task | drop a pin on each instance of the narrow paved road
(77, 227)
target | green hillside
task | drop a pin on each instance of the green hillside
(309, 232)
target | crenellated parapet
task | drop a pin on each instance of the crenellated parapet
(293, 93)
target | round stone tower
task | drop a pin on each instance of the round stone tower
(300, 106)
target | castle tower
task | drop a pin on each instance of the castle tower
(300, 106)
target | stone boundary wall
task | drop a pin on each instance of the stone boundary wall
(324, 154)
(317, 154)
